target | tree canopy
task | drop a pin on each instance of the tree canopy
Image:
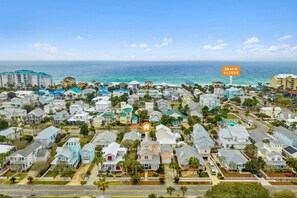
(237, 190)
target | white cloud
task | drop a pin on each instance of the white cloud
(285, 37)
(148, 49)
(275, 48)
(165, 42)
(252, 41)
(294, 48)
(45, 47)
(139, 45)
(218, 46)
(79, 38)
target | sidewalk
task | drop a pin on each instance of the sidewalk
(32, 173)
(93, 176)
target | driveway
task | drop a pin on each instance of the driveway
(79, 175)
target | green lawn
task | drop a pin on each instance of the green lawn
(50, 182)
(231, 117)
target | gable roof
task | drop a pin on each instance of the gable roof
(37, 112)
(185, 152)
(47, 133)
(231, 155)
(107, 137)
(28, 150)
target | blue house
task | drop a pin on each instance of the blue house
(177, 115)
(103, 91)
(87, 153)
(232, 92)
(47, 137)
(68, 154)
(74, 92)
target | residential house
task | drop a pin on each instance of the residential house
(271, 153)
(194, 109)
(11, 133)
(121, 91)
(163, 106)
(202, 141)
(233, 91)
(184, 153)
(141, 93)
(5, 151)
(232, 159)
(80, 117)
(68, 81)
(134, 85)
(87, 92)
(126, 113)
(105, 138)
(219, 92)
(290, 151)
(154, 93)
(23, 159)
(47, 137)
(106, 117)
(102, 105)
(73, 93)
(179, 118)
(155, 116)
(165, 136)
(273, 112)
(166, 152)
(113, 154)
(148, 83)
(285, 136)
(35, 116)
(68, 154)
(149, 106)
(87, 153)
(134, 119)
(235, 137)
(61, 116)
(149, 154)
(209, 100)
(131, 136)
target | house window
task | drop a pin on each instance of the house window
(109, 158)
(146, 157)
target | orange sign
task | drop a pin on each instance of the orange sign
(231, 70)
(146, 127)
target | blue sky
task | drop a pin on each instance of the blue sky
(148, 30)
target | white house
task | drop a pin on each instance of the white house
(79, 117)
(102, 105)
(22, 160)
(113, 154)
(202, 140)
(209, 100)
(11, 133)
(273, 112)
(149, 106)
(271, 153)
(105, 138)
(232, 159)
(285, 136)
(235, 137)
(87, 153)
(165, 136)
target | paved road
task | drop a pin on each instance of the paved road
(123, 190)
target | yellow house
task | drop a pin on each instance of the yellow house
(286, 81)
(186, 100)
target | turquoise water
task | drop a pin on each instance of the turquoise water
(202, 72)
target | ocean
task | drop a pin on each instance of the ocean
(175, 72)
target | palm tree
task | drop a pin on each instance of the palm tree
(12, 179)
(194, 163)
(102, 184)
(184, 189)
(170, 190)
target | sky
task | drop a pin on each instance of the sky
(249, 30)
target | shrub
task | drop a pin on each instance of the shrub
(135, 179)
(203, 174)
(155, 175)
(162, 180)
(176, 179)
